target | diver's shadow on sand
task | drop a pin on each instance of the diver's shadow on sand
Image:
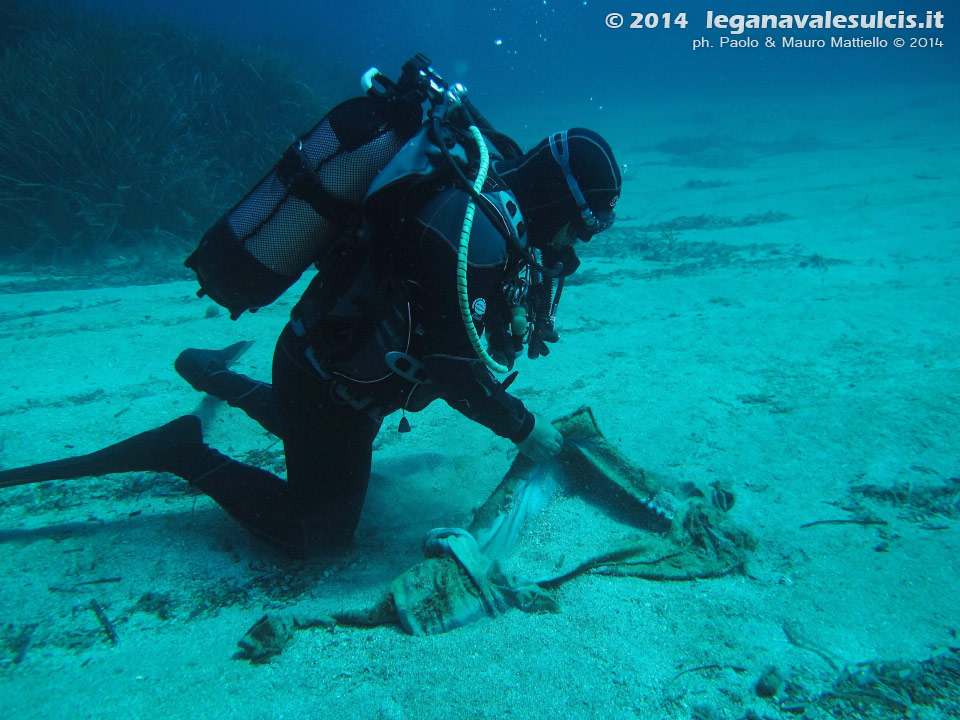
(202, 523)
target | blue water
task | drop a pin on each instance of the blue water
(562, 50)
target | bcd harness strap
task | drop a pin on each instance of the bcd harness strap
(407, 367)
(303, 182)
(351, 391)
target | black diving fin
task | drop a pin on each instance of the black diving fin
(149, 451)
(195, 365)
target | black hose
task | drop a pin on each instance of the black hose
(504, 143)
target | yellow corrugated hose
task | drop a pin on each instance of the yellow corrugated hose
(465, 311)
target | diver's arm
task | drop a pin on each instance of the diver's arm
(469, 388)
(506, 415)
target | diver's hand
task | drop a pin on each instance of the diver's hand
(543, 442)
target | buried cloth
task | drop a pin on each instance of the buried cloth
(683, 533)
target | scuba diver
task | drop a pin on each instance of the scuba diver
(429, 233)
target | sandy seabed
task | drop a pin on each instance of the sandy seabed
(776, 310)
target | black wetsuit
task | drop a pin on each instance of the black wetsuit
(328, 442)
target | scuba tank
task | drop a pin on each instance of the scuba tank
(307, 209)
(313, 195)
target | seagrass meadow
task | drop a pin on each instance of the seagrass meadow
(130, 138)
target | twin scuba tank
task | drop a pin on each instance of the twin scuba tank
(313, 195)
